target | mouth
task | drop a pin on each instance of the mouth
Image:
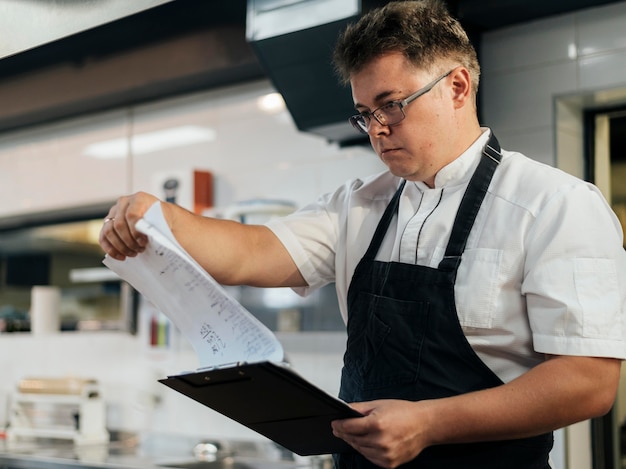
(387, 151)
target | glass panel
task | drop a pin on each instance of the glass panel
(617, 200)
(67, 256)
(618, 166)
(609, 168)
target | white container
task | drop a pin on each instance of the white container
(45, 302)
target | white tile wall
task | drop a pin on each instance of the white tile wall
(47, 168)
(601, 29)
(255, 154)
(522, 98)
(537, 142)
(530, 45)
(527, 67)
(604, 70)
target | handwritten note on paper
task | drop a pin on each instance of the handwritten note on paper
(220, 330)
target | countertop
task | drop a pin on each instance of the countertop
(152, 451)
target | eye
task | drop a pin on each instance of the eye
(386, 110)
(391, 108)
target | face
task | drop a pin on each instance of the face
(418, 146)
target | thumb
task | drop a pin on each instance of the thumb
(364, 408)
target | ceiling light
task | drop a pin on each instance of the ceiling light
(271, 103)
(148, 142)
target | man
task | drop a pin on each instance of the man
(483, 292)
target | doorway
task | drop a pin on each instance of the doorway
(606, 168)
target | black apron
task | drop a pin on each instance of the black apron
(405, 340)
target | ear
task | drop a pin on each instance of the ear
(462, 87)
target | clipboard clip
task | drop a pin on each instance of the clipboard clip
(219, 367)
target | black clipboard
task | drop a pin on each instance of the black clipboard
(272, 400)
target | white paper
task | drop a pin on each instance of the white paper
(221, 331)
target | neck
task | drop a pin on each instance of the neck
(466, 137)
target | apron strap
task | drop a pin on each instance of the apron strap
(384, 223)
(470, 204)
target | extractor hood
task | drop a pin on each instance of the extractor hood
(294, 41)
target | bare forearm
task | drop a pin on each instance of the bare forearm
(557, 393)
(234, 253)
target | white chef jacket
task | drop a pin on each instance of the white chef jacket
(543, 272)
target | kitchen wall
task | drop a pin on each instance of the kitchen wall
(253, 150)
(533, 75)
(538, 77)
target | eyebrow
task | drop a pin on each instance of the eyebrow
(377, 99)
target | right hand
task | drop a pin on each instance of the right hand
(118, 236)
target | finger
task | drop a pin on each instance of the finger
(110, 241)
(357, 440)
(118, 237)
(372, 450)
(364, 408)
(352, 426)
(111, 251)
(361, 433)
(125, 229)
(133, 209)
(122, 238)
(105, 234)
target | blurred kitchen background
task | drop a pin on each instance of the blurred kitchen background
(231, 109)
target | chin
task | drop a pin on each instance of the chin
(406, 173)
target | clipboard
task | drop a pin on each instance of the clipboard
(272, 400)
(258, 391)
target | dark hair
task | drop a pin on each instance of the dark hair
(424, 31)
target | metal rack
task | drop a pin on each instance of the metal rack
(78, 417)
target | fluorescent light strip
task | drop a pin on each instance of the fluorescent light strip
(150, 142)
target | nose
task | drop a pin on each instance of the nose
(376, 128)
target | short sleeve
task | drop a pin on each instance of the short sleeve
(310, 237)
(575, 276)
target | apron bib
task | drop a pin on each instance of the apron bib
(405, 340)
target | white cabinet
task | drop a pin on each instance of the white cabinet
(74, 163)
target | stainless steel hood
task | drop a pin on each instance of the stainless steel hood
(294, 40)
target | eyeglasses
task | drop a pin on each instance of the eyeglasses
(391, 113)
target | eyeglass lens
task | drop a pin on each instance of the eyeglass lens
(391, 113)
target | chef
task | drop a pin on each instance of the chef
(483, 292)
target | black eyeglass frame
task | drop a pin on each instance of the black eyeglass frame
(361, 121)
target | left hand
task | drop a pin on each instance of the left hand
(118, 237)
(556, 393)
(388, 434)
